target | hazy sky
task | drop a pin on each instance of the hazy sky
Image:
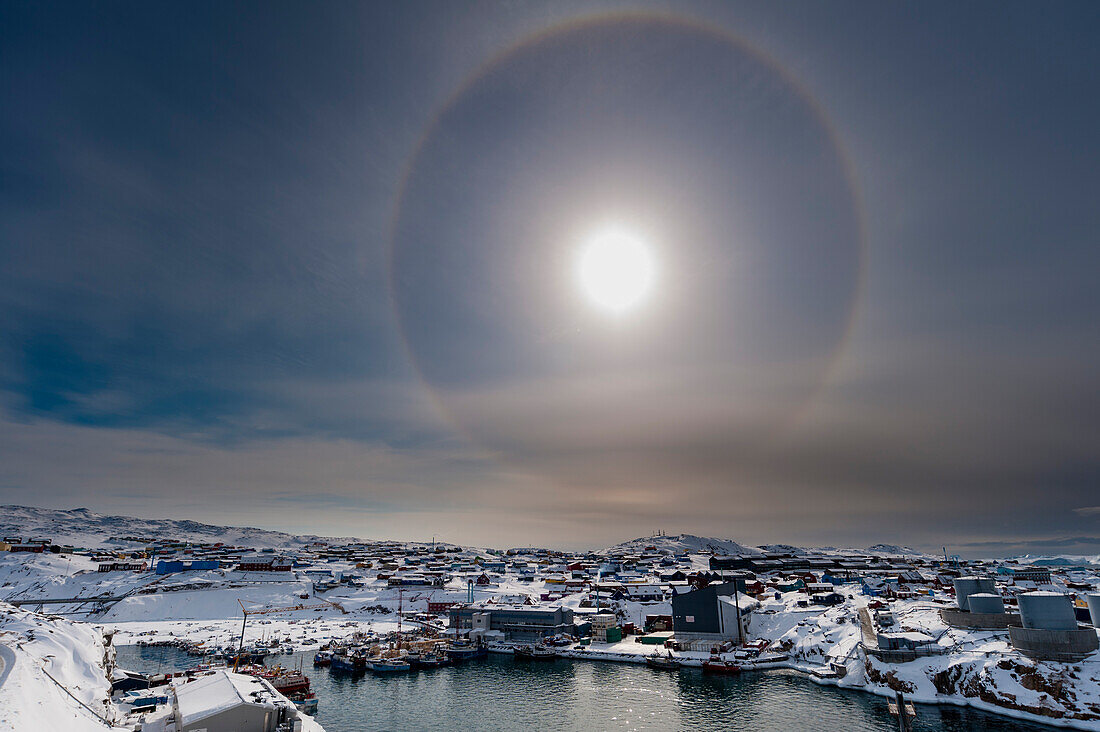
(314, 267)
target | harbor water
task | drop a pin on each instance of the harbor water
(501, 693)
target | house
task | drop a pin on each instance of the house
(642, 592)
(826, 598)
(440, 602)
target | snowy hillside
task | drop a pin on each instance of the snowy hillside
(51, 674)
(893, 550)
(682, 543)
(81, 527)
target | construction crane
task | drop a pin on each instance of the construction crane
(269, 610)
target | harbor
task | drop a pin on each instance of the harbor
(500, 691)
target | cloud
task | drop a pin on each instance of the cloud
(1087, 511)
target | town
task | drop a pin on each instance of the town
(1011, 636)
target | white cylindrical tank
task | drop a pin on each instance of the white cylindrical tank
(967, 586)
(1047, 611)
(985, 602)
(1093, 599)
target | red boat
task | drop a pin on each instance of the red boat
(291, 684)
(715, 665)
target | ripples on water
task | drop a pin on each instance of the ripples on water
(500, 693)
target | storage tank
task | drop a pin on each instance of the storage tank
(1093, 600)
(967, 586)
(1047, 611)
(985, 602)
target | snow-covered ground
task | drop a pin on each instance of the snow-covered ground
(81, 527)
(977, 668)
(53, 675)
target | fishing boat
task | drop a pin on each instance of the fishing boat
(290, 683)
(426, 660)
(664, 663)
(307, 704)
(460, 651)
(389, 665)
(322, 658)
(352, 663)
(535, 653)
(716, 665)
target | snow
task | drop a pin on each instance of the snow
(977, 668)
(81, 527)
(681, 544)
(44, 658)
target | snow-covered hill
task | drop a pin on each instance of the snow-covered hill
(682, 543)
(81, 527)
(893, 550)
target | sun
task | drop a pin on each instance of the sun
(616, 270)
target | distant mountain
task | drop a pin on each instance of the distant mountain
(894, 550)
(682, 543)
(81, 527)
(782, 549)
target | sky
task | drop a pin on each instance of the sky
(317, 268)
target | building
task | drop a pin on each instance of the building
(169, 567)
(33, 548)
(264, 564)
(643, 592)
(1038, 575)
(907, 641)
(710, 613)
(517, 622)
(826, 598)
(441, 602)
(228, 701)
(123, 567)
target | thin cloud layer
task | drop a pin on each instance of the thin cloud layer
(209, 216)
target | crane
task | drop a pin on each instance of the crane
(269, 610)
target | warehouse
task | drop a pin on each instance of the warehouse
(517, 622)
(710, 613)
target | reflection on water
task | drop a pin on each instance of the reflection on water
(500, 693)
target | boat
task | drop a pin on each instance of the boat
(460, 651)
(716, 665)
(664, 663)
(290, 684)
(352, 663)
(322, 658)
(427, 660)
(536, 653)
(389, 665)
(306, 705)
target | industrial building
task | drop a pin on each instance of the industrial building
(228, 701)
(710, 613)
(197, 565)
(516, 622)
